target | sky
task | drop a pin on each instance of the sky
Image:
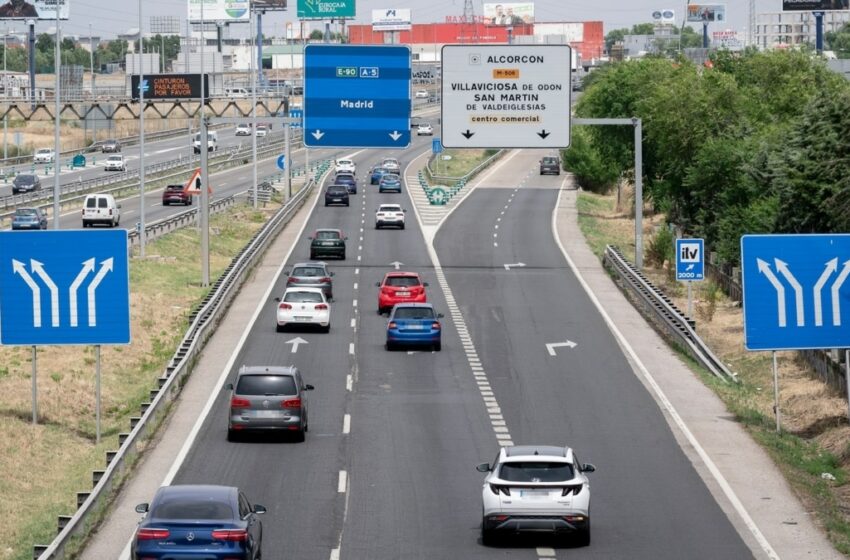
(108, 18)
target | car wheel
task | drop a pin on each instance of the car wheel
(166, 203)
(377, 226)
(438, 346)
(583, 536)
(346, 205)
(488, 536)
(300, 435)
(231, 435)
(342, 257)
(390, 346)
(312, 256)
(402, 226)
(326, 329)
(326, 203)
(278, 328)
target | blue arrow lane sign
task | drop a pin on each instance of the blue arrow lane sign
(436, 146)
(64, 287)
(796, 291)
(357, 96)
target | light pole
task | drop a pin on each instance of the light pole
(91, 69)
(254, 114)
(57, 63)
(204, 209)
(5, 94)
(142, 239)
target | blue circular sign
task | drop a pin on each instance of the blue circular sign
(281, 162)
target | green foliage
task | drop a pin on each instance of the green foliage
(585, 162)
(661, 247)
(839, 41)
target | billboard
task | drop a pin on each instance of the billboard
(706, 12)
(171, 86)
(509, 13)
(664, 16)
(325, 9)
(272, 5)
(33, 9)
(228, 11)
(391, 20)
(807, 5)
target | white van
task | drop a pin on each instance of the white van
(237, 92)
(212, 141)
(101, 209)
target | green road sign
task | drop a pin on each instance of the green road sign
(325, 9)
(346, 71)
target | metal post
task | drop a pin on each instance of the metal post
(218, 26)
(57, 63)
(32, 62)
(97, 393)
(638, 192)
(162, 52)
(204, 210)
(819, 32)
(776, 393)
(690, 300)
(5, 94)
(91, 69)
(847, 379)
(34, 386)
(254, 119)
(287, 173)
(142, 236)
(259, 41)
(705, 35)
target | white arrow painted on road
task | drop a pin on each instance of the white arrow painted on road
(397, 264)
(551, 347)
(831, 266)
(514, 265)
(836, 303)
(764, 268)
(105, 266)
(38, 268)
(782, 267)
(20, 268)
(395, 135)
(88, 267)
(318, 134)
(295, 342)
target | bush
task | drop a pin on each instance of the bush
(661, 247)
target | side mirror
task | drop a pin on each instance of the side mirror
(404, 210)
(142, 508)
(259, 509)
(309, 239)
(378, 284)
(483, 467)
(332, 274)
(425, 284)
(229, 386)
(587, 467)
(309, 387)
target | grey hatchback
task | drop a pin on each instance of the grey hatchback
(268, 398)
(550, 164)
(311, 275)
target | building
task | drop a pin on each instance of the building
(785, 29)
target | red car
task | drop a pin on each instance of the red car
(400, 287)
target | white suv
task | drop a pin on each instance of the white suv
(389, 215)
(345, 166)
(115, 162)
(44, 155)
(541, 488)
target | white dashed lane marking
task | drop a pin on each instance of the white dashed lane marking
(346, 424)
(349, 382)
(343, 482)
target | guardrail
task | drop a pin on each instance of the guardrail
(440, 195)
(177, 221)
(662, 313)
(203, 321)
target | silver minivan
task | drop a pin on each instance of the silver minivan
(268, 399)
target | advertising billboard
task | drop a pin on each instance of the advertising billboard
(33, 9)
(706, 12)
(171, 86)
(228, 11)
(814, 5)
(325, 9)
(272, 5)
(391, 20)
(664, 16)
(509, 13)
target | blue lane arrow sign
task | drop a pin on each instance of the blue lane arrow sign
(281, 162)
(357, 96)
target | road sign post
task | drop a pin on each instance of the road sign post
(690, 265)
(506, 96)
(356, 96)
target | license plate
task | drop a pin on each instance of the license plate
(337, 200)
(301, 318)
(534, 494)
(328, 243)
(414, 327)
(403, 294)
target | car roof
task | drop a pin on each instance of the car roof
(260, 370)
(401, 274)
(537, 451)
(390, 205)
(329, 229)
(412, 304)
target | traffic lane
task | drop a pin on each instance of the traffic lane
(419, 427)
(298, 482)
(587, 397)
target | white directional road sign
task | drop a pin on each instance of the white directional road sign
(506, 96)
(64, 287)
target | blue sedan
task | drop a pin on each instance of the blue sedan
(390, 182)
(197, 521)
(414, 324)
(376, 175)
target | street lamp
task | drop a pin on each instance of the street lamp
(142, 237)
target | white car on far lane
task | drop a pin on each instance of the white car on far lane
(425, 129)
(44, 155)
(115, 162)
(243, 130)
(303, 306)
(421, 94)
(345, 166)
(389, 215)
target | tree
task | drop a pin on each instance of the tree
(316, 35)
(615, 36)
(839, 41)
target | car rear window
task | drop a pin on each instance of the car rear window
(266, 385)
(536, 471)
(337, 189)
(25, 212)
(413, 313)
(303, 297)
(308, 271)
(102, 203)
(389, 209)
(91, 202)
(327, 235)
(192, 508)
(401, 281)
(174, 188)
(550, 160)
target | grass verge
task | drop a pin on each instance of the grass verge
(461, 163)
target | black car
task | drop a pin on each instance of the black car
(327, 243)
(336, 194)
(110, 146)
(550, 164)
(26, 183)
(348, 180)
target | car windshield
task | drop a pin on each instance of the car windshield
(114, 158)
(424, 125)
(44, 151)
(192, 508)
(379, 170)
(414, 313)
(26, 212)
(25, 179)
(266, 385)
(401, 281)
(308, 271)
(392, 162)
(345, 162)
(174, 188)
(303, 297)
(536, 471)
(327, 235)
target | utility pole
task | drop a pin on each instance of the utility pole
(5, 94)
(91, 69)
(57, 107)
(142, 236)
(253, 114)
(204, 210)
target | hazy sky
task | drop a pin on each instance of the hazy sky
(109, 17)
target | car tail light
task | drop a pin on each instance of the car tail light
(230, 535)
(573, 518)
(284, 306)
(321, 306)
(503, 489)
(575, 489)
(291, 403)
(435, 325)
(499, 517)
(110, 211)
(236, 402)
(294, 280)
(392, 325)
(325, 280)
(152, 534)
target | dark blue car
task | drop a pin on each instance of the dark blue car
(390, 182)
(197, 521)
(376, 175)
(414, 324)
(348, 180)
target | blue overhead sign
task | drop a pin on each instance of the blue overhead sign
(796, 293)
(690, 259)
(64, 287)
(356, 96)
